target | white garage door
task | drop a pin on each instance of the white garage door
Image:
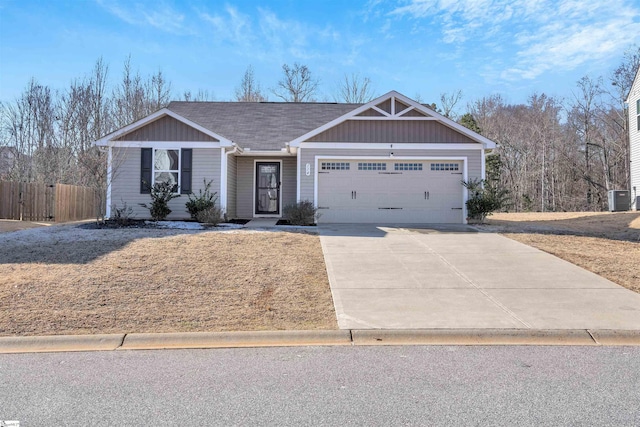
(399, 191)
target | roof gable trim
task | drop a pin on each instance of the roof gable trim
(419, 112)
(109, 140)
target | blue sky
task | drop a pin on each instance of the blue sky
(425, 48)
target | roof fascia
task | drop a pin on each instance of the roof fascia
(446, 121)
(296, 142)
(108, 140)
(633, 83)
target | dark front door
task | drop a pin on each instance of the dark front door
(267, 188)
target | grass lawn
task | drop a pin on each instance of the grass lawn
(607, 244)
(70, 280)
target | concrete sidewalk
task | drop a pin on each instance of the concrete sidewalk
(408, 277)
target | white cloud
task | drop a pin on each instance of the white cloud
(161, 16)
(542, 35)
(232, 26)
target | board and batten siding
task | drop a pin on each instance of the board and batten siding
(166, 129)
(125, 186)
(308, 155)
(391, 132)
(245, 191)
(634, 140)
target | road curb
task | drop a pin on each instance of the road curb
(473, 337)
(355, 337)
(615, 337)
(54, 343)
(235, 339)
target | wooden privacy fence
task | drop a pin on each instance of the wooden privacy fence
(43, 202)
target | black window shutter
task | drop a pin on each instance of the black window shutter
(185, 172)
(145, 170)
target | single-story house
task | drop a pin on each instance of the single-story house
(389, 160)
(633, 100)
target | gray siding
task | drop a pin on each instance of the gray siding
(166, 129)
(232, 185)
(474, 162)
(245, 185)
(244, 191)
(125, 187)
(391, 131)
(634, 139)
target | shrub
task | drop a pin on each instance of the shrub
(122, 216)
(301, 213)
(483, 199)
(211, 215)
(205, 200)
(161, 194)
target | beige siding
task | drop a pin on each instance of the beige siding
(474, 162)
(232, 185)
(634, 138)
(289, 189)
(371, 113)
(166, 129)
(245, 192)
(391, 131)
(125, 187)
(385, 106)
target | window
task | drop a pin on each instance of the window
(162, 165)
(445, 166)
(335, 166)
(166, 167)
(372, 166)
(407, 166)
(638, 112)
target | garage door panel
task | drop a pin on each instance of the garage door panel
(419, 195)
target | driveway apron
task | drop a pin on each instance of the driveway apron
(414, 277)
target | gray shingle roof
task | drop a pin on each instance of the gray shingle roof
(260, 125)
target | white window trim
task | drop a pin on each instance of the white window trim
(463, 159)
(153, 166)
(253, 195)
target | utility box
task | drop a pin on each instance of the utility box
(619, 200)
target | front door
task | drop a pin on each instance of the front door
(267, 188)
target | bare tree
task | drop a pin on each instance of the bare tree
(297, 84)
(202, 95)
(249, 90)
(354, 89)
(582, 119)
(448, 102)
(158, 91)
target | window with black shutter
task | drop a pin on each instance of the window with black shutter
(146, 159)
(185, 171)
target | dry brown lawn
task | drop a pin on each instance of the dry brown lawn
(7, 225)
(67, 280)
(605, 243)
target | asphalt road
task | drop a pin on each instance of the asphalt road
(338, 386)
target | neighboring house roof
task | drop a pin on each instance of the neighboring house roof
(261, 125)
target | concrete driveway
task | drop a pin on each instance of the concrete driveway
(394, 277)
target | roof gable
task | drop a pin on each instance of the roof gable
(166, 128)
(177, 127)
(396, 107)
